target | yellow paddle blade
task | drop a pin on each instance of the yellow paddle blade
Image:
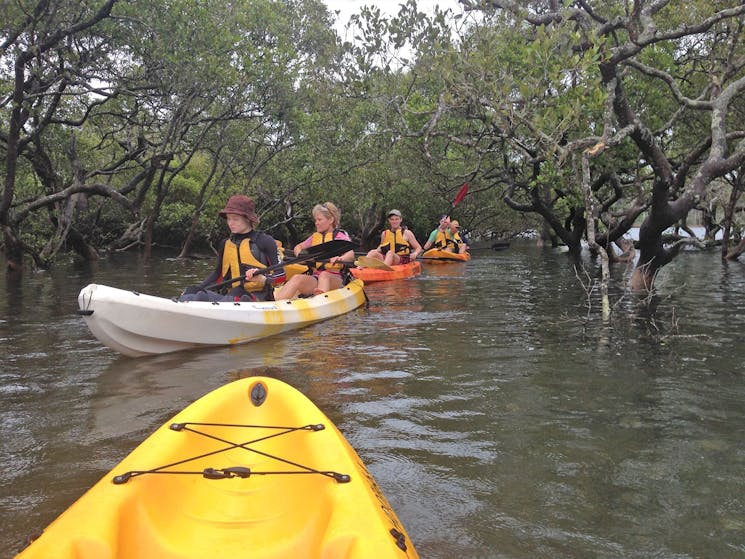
(368, 262)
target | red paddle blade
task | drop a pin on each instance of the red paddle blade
(461, 194)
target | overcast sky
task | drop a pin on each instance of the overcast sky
(390, 7)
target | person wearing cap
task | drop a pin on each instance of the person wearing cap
(326, 275)
(240, 256)
(458, 237)
(398, 245)
(441, 238)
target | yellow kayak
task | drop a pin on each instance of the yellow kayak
(437, 256)
(251, 470)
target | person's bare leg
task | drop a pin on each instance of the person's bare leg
(301, 284)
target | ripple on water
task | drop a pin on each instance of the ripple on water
(15, 389)
(362, 377)
(498, 414)
(434, 503)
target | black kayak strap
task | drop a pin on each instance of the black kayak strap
(238, 471)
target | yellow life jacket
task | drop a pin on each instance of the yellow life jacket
(394, 241)
(441, 240)
(319, 238)
(290, 269)
(232, 258)
(454, 239)
(446, 239)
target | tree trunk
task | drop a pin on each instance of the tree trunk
(13, 249)
(729, 213)
(590, 228)
(200, 203)
(12, 244)
(78, 243)
(161, 191)
(735, 253)
(651, 257)
(186, 246)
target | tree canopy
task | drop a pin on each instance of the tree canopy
(128, 123)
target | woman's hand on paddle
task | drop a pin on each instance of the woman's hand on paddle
(250, 275)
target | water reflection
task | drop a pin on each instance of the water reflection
(14, 298)
(137, 392)
(497, 412)
(395, 296)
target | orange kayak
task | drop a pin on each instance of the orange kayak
(399, 271)
(437, 256)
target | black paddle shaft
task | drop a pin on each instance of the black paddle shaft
(316, 252)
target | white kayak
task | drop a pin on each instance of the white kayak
(136, 324)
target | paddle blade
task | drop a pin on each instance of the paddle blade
(461, 194)
(369, 262)
(336, 247)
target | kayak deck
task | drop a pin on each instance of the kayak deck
(253, 469)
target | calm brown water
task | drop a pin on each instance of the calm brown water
(497, 413)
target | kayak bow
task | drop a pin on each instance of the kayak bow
(252, 469)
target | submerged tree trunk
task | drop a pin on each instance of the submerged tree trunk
(652, 254)
(13, 249)
(80, 245)
(729, 214)
(590, 228)
(736, 252)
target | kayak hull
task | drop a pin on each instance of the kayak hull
(399, 271)
(136, 324)
(437, 256)
(241, 472)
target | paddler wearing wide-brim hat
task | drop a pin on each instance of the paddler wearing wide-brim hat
(240, 204)
(240, 257)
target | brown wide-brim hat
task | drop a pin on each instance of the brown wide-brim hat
(240, 205)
